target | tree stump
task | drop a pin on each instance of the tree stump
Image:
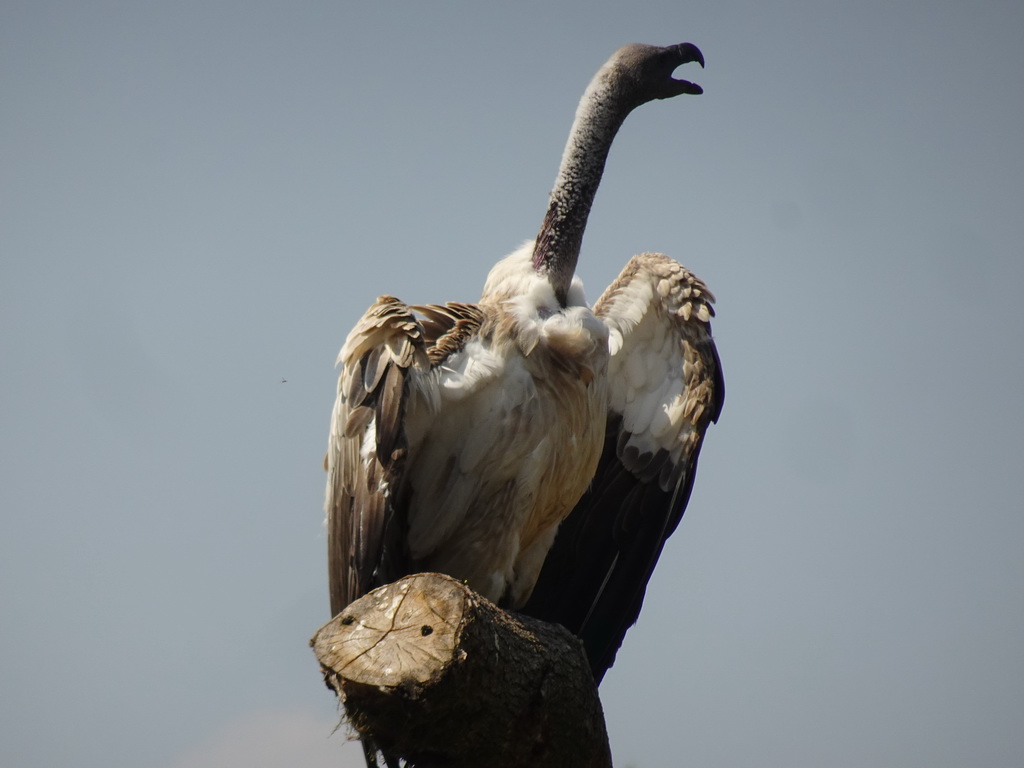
(434, 673)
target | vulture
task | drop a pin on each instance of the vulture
(534, 447)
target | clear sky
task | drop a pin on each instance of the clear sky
(200, 198)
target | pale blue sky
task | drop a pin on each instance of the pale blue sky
(200, 198)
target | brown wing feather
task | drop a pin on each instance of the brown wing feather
(447, 328)
(367, 445)
(596, 574)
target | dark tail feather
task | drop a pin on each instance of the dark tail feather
(374, 756)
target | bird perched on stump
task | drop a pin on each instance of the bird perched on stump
(537, 448)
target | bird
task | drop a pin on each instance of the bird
(536, 448)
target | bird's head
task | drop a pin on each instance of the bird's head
(643, 73)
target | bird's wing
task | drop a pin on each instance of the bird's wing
(665, 387)
(367, 444)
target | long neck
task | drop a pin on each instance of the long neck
(599, 115)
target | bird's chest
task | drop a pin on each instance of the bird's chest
(569, 373)
(570, 388)
(502, 451)
(518, 397)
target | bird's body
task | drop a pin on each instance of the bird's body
(511, 387)
(463, 435)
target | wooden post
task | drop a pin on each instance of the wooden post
(434, 673)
